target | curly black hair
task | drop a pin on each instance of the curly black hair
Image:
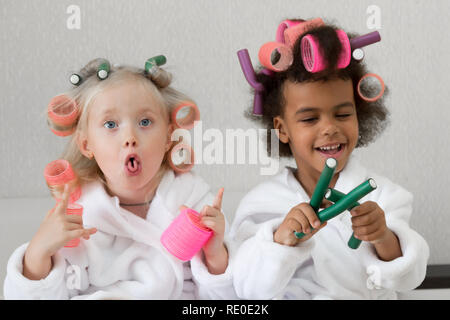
(372, 116)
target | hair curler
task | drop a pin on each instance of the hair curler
(365, 40)
(74, 208)
(334, 196)
(312, 57)
(152, 64)
(292, 33)
(358, 54)
(379, 95)
(185, 114)
(282, 28)
(186, 235)
(63, 111)
(322, 184)
(275, 56)
(103, 70)
(58, 173)
(344, 203)
(181, 158)
(249, 73)
(75, 79)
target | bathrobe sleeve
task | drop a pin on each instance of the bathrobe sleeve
(408, 271)
(18, 287)
(262, 267)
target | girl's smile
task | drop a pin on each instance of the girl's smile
(318, 121)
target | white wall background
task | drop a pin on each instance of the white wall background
(200, 39)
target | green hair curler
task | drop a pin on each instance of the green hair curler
(75, 79)
(103, 70)
(334, 196)
(153, 62)
(344, 203)
(322, 184)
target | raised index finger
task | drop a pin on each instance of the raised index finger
(217, 203)
(62, 204)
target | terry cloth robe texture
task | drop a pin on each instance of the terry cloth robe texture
(323, 267)
(125, 258)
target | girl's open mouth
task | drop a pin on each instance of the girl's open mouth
(132, 165)
(334, 150)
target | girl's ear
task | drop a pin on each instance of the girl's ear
(82, 143)
(279, 125)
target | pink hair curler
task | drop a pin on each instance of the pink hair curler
(63, 133)
(186, 235)
(185, 115)
(346, 51)
(74, 208)
(380, 94)
(58, 173)
(293, 33)
(275, 56)
(312, 57)
(282, 27)
(63, 113)
(178, 160)
(62, 110)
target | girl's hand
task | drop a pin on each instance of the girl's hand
(369, 223)
(300, 218)
(57, 229)
(216, 253)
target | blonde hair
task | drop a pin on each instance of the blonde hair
(158, 84)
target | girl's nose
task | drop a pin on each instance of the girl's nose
(130, 139)
(329, 128)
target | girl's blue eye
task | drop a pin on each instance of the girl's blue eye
(145, 122)
(343, 115)
(110, 124)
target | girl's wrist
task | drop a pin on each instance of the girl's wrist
(217, 261)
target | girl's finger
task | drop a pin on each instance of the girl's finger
(78, 233)
(74, 218)
(61, 206)
(218, 200)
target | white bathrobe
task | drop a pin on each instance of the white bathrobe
(125, 258)
(324, 266)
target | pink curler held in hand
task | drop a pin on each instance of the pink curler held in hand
(58, 173)
(186, 235)
(74, 208)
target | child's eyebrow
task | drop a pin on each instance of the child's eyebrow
(309, 109)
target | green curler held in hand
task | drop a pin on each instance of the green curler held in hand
(333, 195)
(103, 70)
(321, 187)
(322, 184)
(342, 201)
